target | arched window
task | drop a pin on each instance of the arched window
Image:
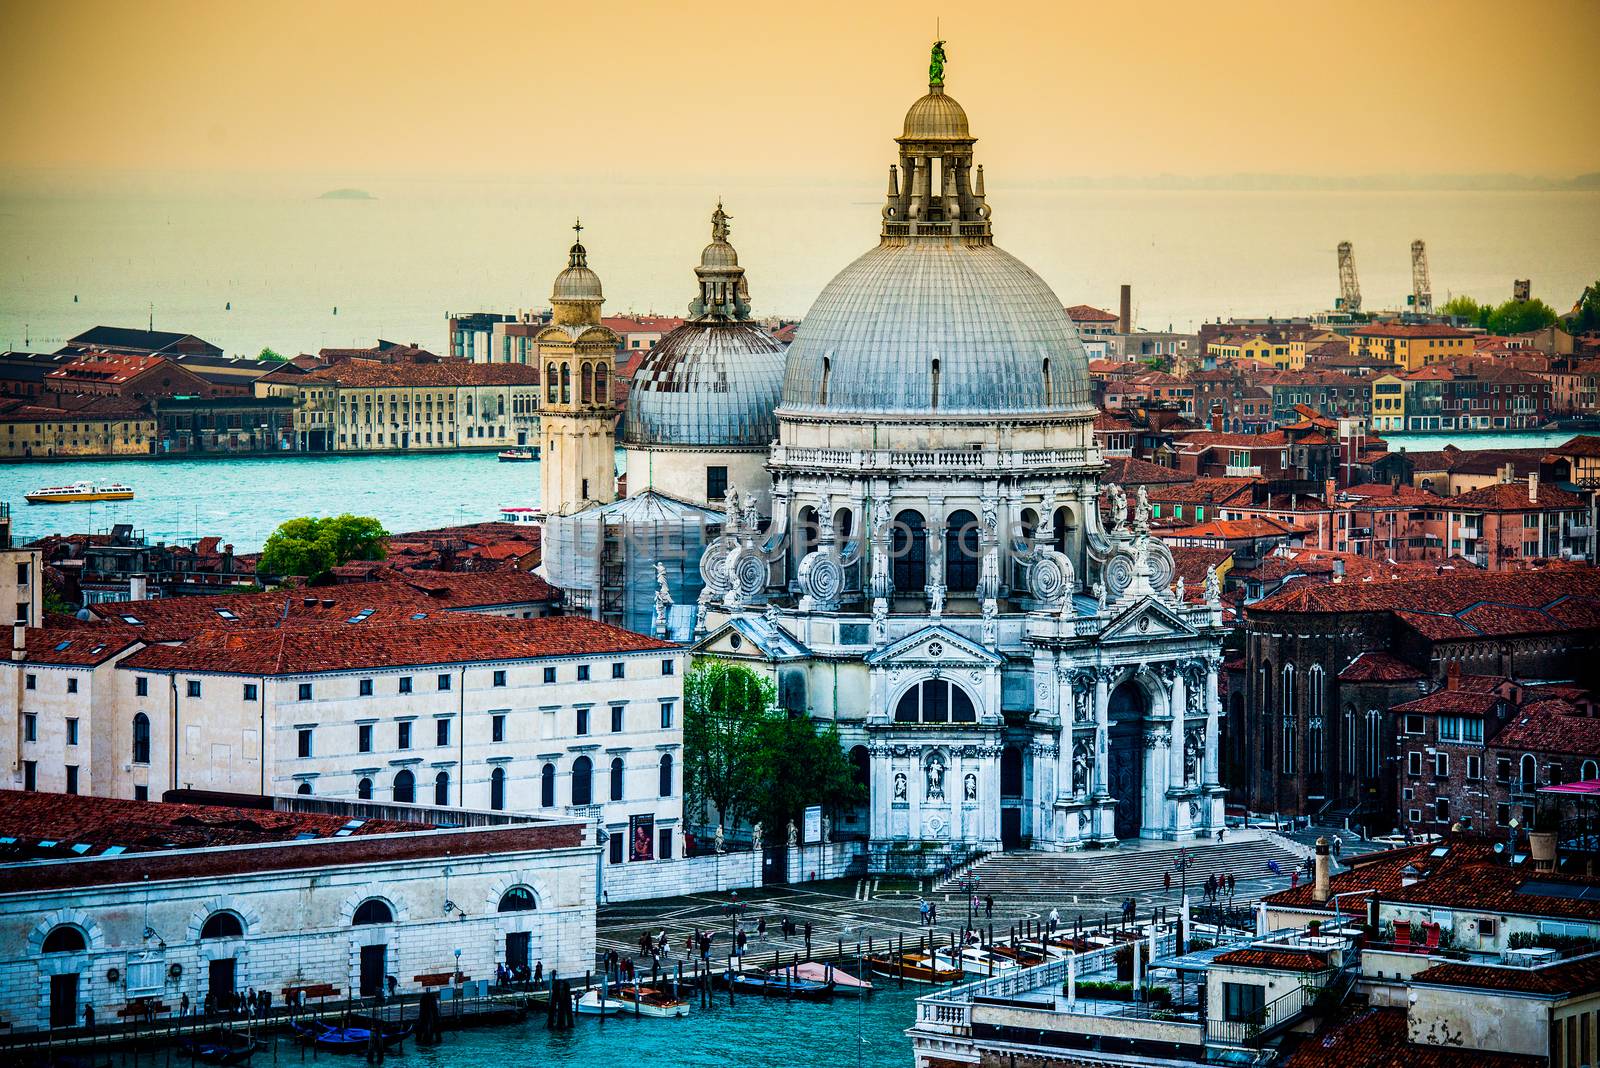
(364, 789)
(1290, 732)
(1352, 752)
(582, 781)
(1589, 771)
(586, 388)
(405, 786)
(304, 788)
(1045, 372)
(827, 372)
(666, 774)
(602, 386)
(843, 524)
(1061, 523)
(222, 925)
(441, 788)
(908, 547)
(1314, 725)
(934, 391)
(860, 765)
(372, 910)
(616, 779)
(566, 383)
(809, 532)
(1528, 769)
(547, 786)
(497, 789)
(517, 899)
(64, 939)
(141, 738)
(550, 383)
(935, 701)
(961, 552)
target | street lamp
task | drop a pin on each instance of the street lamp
(967, 884)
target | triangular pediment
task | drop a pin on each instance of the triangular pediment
(934, 645)
(747, 638)
(1146, 620)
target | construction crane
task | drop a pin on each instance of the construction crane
(1421, 287)
(1349, 289)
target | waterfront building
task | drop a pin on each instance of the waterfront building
(1519, 523)
(131, 341)
(365, 405)
(495, 337)
(1091, 321)
(126, 906)
(108, 426)
(121, 564)
(137, 379)
(1412, 346)
(21, 576)
(577, 434)
(1004, 664)
(1309, 730)
(232, 424)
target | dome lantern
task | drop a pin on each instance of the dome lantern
(576, 296)
(933, 193)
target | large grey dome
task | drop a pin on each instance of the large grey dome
(709, 384)
(935, 328)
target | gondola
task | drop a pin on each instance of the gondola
(219, 1047)
(914, 968)
(347, 1039)
(756, 981)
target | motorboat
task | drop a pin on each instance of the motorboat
(649, 1001)
(220, 1046)
(776, 985)
(519, 454)
(76, 492)
(592, 1003)
(843, 982)
(347, 1039)
(914, 968)
(980, 961)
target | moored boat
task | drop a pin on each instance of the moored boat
(519, 454)
(914, 967)
(775, 985)
(347, 1039)
(649, 1001)
(593, 1004)
(75, 492)
(843, 982)
(989, 960)
(219, 1047)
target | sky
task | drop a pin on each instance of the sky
(797, 91)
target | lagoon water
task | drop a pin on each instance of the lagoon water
(181, 251)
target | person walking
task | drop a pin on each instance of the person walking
(1055, 921)
(183, 1004)
(988, 905)
(88, 1018)
(1166, 880)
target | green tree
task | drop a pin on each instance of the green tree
(725, 710)
(311, 546)
(1521, 316)
(802, 763)
(1587, 317)
(1464, 307)
(272, 356)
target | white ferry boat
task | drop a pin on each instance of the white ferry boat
(80, 491)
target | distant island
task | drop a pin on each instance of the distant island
(347, 194)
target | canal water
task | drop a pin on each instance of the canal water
(243, 500)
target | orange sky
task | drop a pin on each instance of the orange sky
(799, 90)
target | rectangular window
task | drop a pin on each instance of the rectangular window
(618, 670)
(669, 667)
(72, 684)
(583, 721)
(364, 688)
(30, 775)
(666, 715)
(405, 683)
(1487, 926)
(1449, 728)
(583, 672)
(141, 793)
(251, 691)
(1502, 770)
(31, 682)
(1414, 724)
(1502, 814)
(716, 483)
(549, 674)
(30, 727)
(305, 691)
(497, 728)
(499, 678)
(304, 735)
(364, 738)
(444, 683)
(441, 731)
(1243, 1002)
(665, 852)
(616, 719)
(141, 687)
(192, 688)
(72, 731)
(1441, 765)
(72, 778)
(1474, 767)
(1413, 763)
(615, 847)
(403, 735)
(1442, 806)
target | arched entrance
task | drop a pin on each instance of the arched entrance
(1125, 758)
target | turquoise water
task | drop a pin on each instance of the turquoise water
(1494, 439)
(243, 500)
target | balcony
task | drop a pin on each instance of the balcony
(1242, 471)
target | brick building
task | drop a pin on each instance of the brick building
(1513, 525)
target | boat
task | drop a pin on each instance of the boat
(914, 968)
(843, 982)
(75, 492)
(775, 985)
(347, 1039)
(519, 454)
(649, 1001)
(592, 1004)
(219, 1047)
(989, 960)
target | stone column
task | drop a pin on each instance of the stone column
(1178, 707)
(1102, 727)
(880, 797)
(1213, 712)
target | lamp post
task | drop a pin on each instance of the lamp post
(967, 884)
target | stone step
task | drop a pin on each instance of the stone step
(1026, 873)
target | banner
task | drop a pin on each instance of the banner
(813, 822)
(642, 837)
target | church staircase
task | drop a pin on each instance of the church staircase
(1036, 874)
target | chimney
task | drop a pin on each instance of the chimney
(1216, 417)
(1533, 487)
(138, 587)
(1330, 489)
(19, 641)
(1452, 676)
(1125, 314)
(1320, 888)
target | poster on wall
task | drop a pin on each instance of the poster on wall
(813, 825)
(641, 837)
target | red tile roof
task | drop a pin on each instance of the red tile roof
(1582, 445)
(1552, 725)
(1083, 313)
(1513, 497)
(1205, 491)
(1380, 1038)
(453, 640)
(1285, 960)
(1232, 529)
(79, 644)
(358, 373)
(1397, 330)
(1126, 471)
(1379, 667)
(1578, 976)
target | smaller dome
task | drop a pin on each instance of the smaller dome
(577, 282)
(936, 117)
(719, 254)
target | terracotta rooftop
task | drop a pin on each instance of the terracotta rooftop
(1578, 976)
(1084, 313)
(1284, 960)
(1126, 471)
(1204, 491)
(423, 643)
(1380, 1038)
(1398, 330)
(1379, 667)
(78, 644)
(361, 373)
(1514, 497)
(1552, 725)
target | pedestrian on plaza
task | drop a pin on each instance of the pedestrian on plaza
(1220, 832)
(922, 913)
(1294, 878)
(1166, 880)
(183, 1004)
(1055, 919)
(761, 926)
(988, 905)
(88, 1017)
(739, 943)
(933, 915)
(644, 944)
(1338, 846)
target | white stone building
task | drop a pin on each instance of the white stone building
(115, 903)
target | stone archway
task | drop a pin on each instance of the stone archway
(1128, 710)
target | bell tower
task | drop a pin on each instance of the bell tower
(577, 419)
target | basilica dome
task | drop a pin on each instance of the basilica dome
(936, 323)
(712, 382)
